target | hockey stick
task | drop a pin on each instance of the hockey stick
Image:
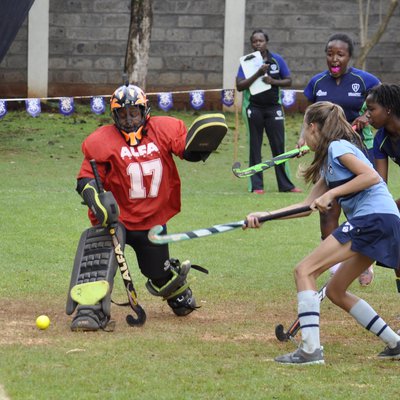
(154, 236)
(122, 265)
(242, 173)
(283, 336)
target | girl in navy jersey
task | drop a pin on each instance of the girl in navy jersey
(383, 113)
(346, 86)
(340, 171)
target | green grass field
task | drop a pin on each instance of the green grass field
(224, 350)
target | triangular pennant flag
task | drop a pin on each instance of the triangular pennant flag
(165, 101)
(288, 97)
(97, 105)
(228, 97)
(197, 99)
(33, 107)
(67, 106)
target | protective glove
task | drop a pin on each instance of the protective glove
(103, 205)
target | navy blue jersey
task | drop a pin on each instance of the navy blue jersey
(349, 94)
(385, 148)
(278, 69)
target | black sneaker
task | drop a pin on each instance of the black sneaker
(390, 354)
(302, 358)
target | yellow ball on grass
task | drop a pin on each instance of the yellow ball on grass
(42, 322)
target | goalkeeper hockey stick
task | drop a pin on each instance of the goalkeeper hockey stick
(242, 173)
(155, 237)
(122, 265)
(283, 336)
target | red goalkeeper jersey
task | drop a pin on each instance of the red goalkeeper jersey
(143, 179)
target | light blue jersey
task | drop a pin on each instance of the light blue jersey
(375, 199)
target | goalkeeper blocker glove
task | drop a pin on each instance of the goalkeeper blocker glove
(103, 205)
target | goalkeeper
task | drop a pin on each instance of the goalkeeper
(135, 163)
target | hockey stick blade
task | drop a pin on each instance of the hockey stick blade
(141, 316)
(283, 336)
(280, 333)
(155, 237)
(254, 169)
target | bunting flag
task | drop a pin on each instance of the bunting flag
(3, 108)
(228, 97)
(165, 101)
(67, 106)
(33, 107)
(197, 99)
(288, 97)
(98, 105)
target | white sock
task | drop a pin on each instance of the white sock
(334, 268)
(308, 310)
(366, 316)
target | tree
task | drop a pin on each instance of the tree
(367, 44)
(137, 50)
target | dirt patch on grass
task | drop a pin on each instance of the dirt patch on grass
(209, 323)
(223, 321)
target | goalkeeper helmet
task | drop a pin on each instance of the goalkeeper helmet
(130, 112)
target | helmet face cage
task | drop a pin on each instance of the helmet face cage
(129, 96)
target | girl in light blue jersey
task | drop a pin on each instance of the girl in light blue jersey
(340, 171)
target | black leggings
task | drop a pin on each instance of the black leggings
(150, 257)
(272, 120)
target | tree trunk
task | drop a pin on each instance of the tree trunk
(137, 50)
(368, 44)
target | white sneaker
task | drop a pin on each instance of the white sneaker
(301, 357)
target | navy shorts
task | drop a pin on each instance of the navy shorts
(376, 236)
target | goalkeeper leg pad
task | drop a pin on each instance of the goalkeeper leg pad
(176, 291)
(92, 279)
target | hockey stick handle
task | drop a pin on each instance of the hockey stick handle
(286, 213)
(99, 183)
(128, 283)
(122, 264)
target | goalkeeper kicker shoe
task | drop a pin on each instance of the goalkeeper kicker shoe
(183, 304)
(390, 354)
(89, 318)
(300, 357)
